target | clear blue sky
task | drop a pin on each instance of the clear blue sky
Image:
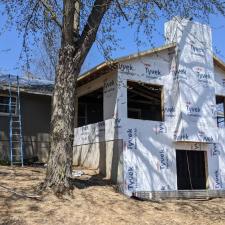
(11, 43)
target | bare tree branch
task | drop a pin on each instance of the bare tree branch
(90, 30)
(121, 10)
(49, 9)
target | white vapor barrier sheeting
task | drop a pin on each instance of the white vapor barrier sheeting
(189, 84)
(219, 81)
(194, 74)
(103, 131)
(149, 156)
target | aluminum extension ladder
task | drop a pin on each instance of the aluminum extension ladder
(15, 126)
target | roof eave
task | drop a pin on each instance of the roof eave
(113, 63)
(28, 91)
(219, 62)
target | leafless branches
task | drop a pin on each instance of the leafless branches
(53, 14)
(37, 20)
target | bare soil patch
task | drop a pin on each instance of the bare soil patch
(95, 201)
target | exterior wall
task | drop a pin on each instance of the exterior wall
(108, 82)
(219, 81)
(190, 83)
(103, 156)
(218, 149)
(35, 112)
(148, 153)
(97, 146)
(193, 74)
(189, 108)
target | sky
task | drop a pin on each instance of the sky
(11, 45)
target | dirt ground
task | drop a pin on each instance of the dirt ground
(94, 201)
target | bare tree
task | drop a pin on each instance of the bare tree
(44, 62)
(79, 23)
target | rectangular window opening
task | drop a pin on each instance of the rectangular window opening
(144, 101)
(4, 104)
(220, 106)
(90, 108)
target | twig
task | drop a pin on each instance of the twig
(48, 7)
(36, 197)
(121, 10)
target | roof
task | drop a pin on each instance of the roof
(32, 86)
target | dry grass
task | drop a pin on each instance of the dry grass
(95, 201)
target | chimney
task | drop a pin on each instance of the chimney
(187, 32)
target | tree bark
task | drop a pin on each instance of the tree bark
(59, 168)
(74, 49)
(62, 123)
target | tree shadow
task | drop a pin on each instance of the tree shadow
(95, 180)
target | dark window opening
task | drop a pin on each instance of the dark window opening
(220, 106)
(144, 101)
(4, 104)
(90, 108)
(191, 171)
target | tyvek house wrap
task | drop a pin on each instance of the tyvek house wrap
(148, 152)
(194, 74)
(189, 87)
(189, 108)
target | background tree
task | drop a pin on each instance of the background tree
(80, 23)
(44, 63)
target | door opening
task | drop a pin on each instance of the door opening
(191, 171)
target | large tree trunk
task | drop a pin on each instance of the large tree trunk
(74, 50)
(62, 123)
(59, 168)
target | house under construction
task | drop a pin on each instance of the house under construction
(153, 122)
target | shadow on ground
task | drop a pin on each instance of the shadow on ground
(95, 180)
